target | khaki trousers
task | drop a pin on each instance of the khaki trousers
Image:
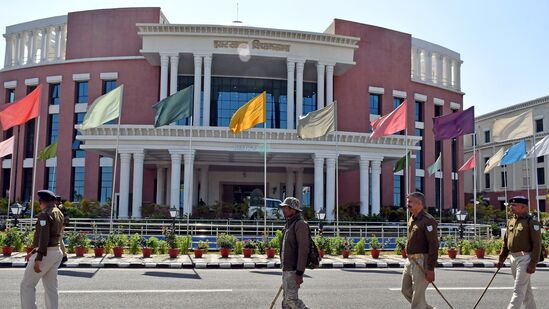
(50, 264)
(62, 243)
(290, 298)
(414, 283)
(522, 289)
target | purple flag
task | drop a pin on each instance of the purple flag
(455, 124)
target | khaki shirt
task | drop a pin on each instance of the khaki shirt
(422, 238)
(523, 234)
(48, 229)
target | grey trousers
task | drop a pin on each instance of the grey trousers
(522, 289)
(50, 264)
(290, 296)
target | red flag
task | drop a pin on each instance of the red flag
(469, 164)
(21, 111)
(390, 123)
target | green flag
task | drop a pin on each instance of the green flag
(104, 109)
(401, 164)
(436, 166)
(48, 152)
(177, 106)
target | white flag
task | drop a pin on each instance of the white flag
(540, 149)
(6, 147)
(494, 160)
(104, 109)
(513, 127)
(317, 123)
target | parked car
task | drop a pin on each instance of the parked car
(255, 211)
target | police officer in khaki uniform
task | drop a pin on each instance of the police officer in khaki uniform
(46, 256)
(59, 204)
(522, 242)
(422, 251)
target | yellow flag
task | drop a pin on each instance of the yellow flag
(250, 114)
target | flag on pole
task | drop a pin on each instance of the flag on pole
(455, 124)
(401, 164)
(317, 123)
(21, 111)
(104, 109)
(469, 164)
(494, 160)
(6, 147)
(391, 123)
(48, 152)
(177, 106)
(541, 148)
(250, 114)
(436, 166)
(514, 154)
(513, 127)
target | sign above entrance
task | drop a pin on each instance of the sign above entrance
(256, 44)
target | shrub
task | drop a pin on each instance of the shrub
(238, 247)
(162, 247)
(249, 244)
(321, 242)
(135, 243)
(450, 242)
(277, 240)
(479, 244)
(466, 247)
(359, 247)
(226, 241)
(335, 245)
(494, 245)
(374, 242)
(170, 237)
(77, 239)
(152, 242)
(203, 245)
(12, 238)
(117, 240)
(28, 237)
(184, 243)
(400, 244)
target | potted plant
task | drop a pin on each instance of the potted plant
(118, 241)
(10, 240)
(201, 248)
(400, 246)
(98, 243)
(78, 242)
(374, 246)
(322, 244)
(135, 243)
(27, 238)
(480, 248)
(225, 243)
(171, 239)
(249, 247)
(451, 244)
(346, 247)
(274, 244)
(150, 245)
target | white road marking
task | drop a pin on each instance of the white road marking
(467, 288)
(142, 291)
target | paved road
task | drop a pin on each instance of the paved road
(217, 288)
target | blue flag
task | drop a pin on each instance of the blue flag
(514, 154)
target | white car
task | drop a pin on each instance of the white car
(274, 211)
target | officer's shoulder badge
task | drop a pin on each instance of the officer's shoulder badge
(43, 222)
(536, 227)
(429, 228)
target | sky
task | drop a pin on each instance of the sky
(504, 45)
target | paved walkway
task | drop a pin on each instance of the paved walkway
(214, 260)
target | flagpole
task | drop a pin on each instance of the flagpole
(535, 161)
(505, 190)
(265, 178)
(474, 183)
(528, 177)
(406, 180)
(37, 137)
(440, 191)
(337, 169)
(113, 197)
(189, 199)
(13, 171)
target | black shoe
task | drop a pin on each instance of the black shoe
(64, 259)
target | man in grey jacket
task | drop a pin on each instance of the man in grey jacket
(293, 252)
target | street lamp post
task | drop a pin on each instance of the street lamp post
(460, 216)
(16, 211)
(173, 214)
(321, 215)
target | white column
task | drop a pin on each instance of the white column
(168, 188)
(7, 55)
(290, 182)
(417, 62)
(428, 67)
(376, 186)
(194, 194)
(160, 185)
(413, 64)
(174, 67)
(123, 207)
(458, 75)
(448, 72)
(137, 199)
(329, 84)
(164, 60)
(63, 42)
(319, 182)
(204, 184)
(207, 89)
(188, 182)
(320, 85)
(197, 88)
(175, 179)
(58, 42)
(45, 41)
(364, 184)
(290, 97)
(18, 49)
(330, 188)
(30, 53)
(439, 69)
(299, 89)
(299, 184)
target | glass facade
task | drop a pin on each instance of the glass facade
(29, 138)
(27, 184)
(105, 184)
(419, 184)
(50, 180)
(375, 104)
(54, 94)
(419, 111)
(53, 128)
(398, 191)
(10, 95)
(419, 153)
(82, 92)
(76, 151)
(108, 85)
(77, 184)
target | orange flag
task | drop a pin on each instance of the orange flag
(390, 123)
(469, 164)
(21, 111)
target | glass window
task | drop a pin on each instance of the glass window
(419, 111)
(397, 190)
(29, 139)
(503, 179)
(487, 136)
(539, 125)
(437, 192)
(419, 153)
(108, 85)
(27, 184)
(454, 194)
(419, 184)
(454, 156)
(54, 94)
(486, 176)
(82, 92)
(105, 182)
(50, 174)
(77, 184)
(541, 176)
(397, 102)
(438, 110)
(53, 128)
(375, 104)
(6, 182)
(541, 159)
(76, 151)
(10, 95)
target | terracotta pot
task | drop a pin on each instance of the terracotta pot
(271, 252)
(118, 251)
(198, 253)
(479, 253)
(452, 253)
(7, 250)
(375, 253)
(28, 250)
(79, 251)
(345, 253)
(403, 253)
(247, 252)
(322, 252)
(98, 252)
(147, 252)
(224, 252)
(173, 252)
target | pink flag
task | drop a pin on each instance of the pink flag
(6, 147)
(469, 164)
(390, 123)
